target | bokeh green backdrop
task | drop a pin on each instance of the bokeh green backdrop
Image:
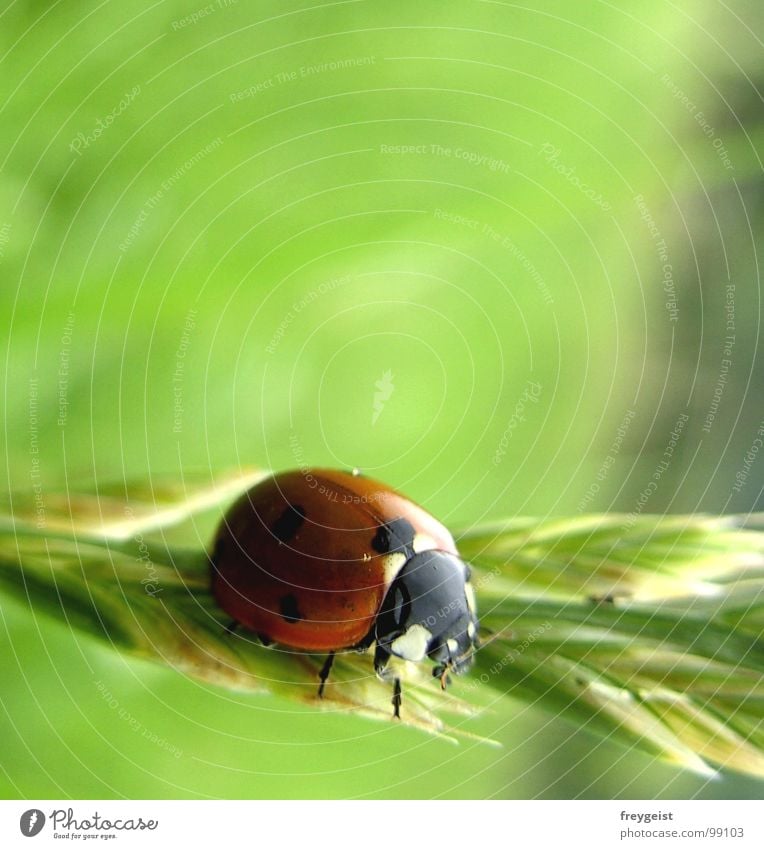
(221, 227)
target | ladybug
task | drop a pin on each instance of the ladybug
(321, 560)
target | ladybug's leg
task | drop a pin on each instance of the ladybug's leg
(324, 673)
(441, 672)
(365, 644)
(397, 698)
(442, 669)
(381, 656)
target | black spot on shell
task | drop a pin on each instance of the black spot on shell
(289, 609)
(381, 540)
(397, 535)
(289, 522)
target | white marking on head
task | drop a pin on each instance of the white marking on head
(422, 542)
(470, 594)
(413, 644)
(453, 646)
(392, 564)
(471, 630)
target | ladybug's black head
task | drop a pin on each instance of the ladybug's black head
(429, 611)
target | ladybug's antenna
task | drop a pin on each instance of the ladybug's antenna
(442, 670)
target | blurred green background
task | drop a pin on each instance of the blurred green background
(222, 226)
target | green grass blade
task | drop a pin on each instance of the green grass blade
(650, 633)
(644, 558)
(121, 511)
(647, 632)
(152, 602)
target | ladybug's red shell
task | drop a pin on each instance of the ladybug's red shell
(305, 558)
